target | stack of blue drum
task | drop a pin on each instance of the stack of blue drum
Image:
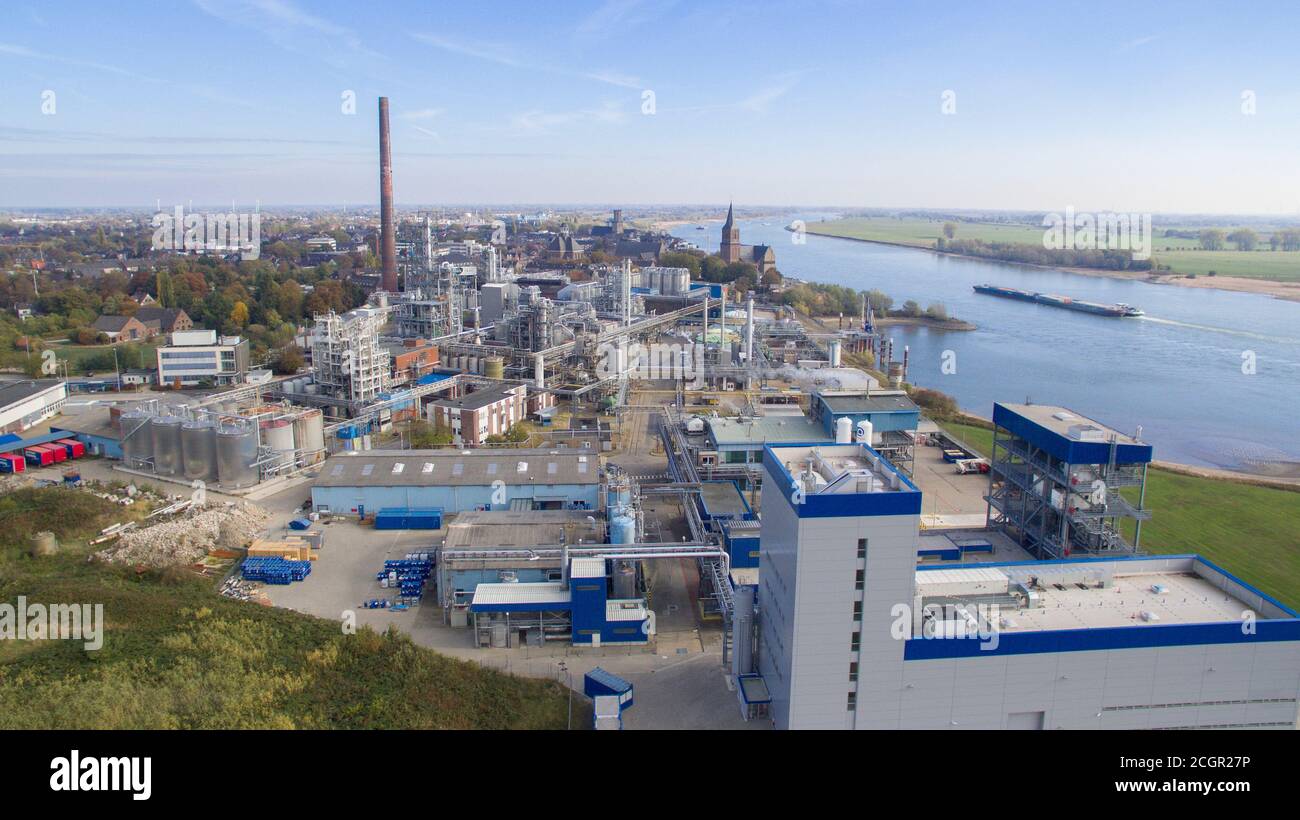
(273, 570)
(407, 576)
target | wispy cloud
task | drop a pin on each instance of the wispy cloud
(421, 114)
(1139, 42)
(536, 121)
(757, 102)
(504, 55)
(614, 16)
(281, 21)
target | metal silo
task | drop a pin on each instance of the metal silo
(278, 435)
(166, 434)
(137, 440)
(494, 367)
(236, 452)
(309, 435)
(199, 450)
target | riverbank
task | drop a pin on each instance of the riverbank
(1287, 291)
(925, 321)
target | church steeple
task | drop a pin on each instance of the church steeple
(730, 250)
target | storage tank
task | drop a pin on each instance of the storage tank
(471, 364)
(309, 435)
(865, 432)
(199, 450)
(835, 354)
(844, 430)
(236, 452)
(137, 440)
(166, 434)
(278, 435)
(622, 527)
(494, 367)
(625, 579)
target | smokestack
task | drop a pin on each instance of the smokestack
(387, 230)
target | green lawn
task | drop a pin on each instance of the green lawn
(177, 655)
(1182, 255)
(1252, 532)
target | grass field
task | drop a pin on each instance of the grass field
(1252, 532)
(1182, 255)
(177, 655)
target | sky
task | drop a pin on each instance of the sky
(1123, 106)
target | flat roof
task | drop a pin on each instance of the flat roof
(625, 609)
(1062, 421)
(1086, 594)
(519, 529)
(449, 467)
(840, 469)
(587, 568)
(765, 430)
(517, 594)
(863, 403)
(90, 422)
(14, 392)
(723, 498)
(479, 398)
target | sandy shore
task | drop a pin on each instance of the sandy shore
(1289, 291)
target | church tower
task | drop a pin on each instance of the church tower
(731, 249)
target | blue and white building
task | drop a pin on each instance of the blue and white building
(197, 356)
(853, 634)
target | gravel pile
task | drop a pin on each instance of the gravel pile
(188, 537)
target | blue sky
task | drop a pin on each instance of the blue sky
(1119, 106)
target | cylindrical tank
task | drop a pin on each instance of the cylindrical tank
(895, 374)
(309, 435)
(865, 431)
(44, 543)
(137, 440)
(742, 635)
(278, 435)
(199, 450)
(471, 364)
(844, 430)
(494, 367)
(622, 527)
(835, 354)
(236, 452)
(166, 434)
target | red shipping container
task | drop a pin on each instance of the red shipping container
(18, 461)
(39, 456)
(59, 453)
(75, 448)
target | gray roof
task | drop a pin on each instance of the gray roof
(111, 324)
(766, 430)
(859, 403)
(508, 529)
(13, 392)
(479, 398)
(449, 467)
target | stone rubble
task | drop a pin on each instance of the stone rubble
(187, 538)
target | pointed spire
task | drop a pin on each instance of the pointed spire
(730, 218)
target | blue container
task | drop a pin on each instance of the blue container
(409, 518)
(599, 682)
(300, 524)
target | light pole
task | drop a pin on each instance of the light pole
(569, 685)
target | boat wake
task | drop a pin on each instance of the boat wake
(1224, 330)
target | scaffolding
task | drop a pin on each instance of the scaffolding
(349, 362)
(1056, 506)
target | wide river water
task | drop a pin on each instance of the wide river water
(1177, 373)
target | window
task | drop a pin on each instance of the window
(855, 643)
(853, 701)
(862, 549)
(860, 580)
(857, 610)
(853, 672)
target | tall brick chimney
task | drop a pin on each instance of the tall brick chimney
(387, 226)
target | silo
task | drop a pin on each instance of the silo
(166, 434)
(624, 579)
(683, 277)
(278, 435)
(494, 367)
(137, 440)
(236, 452)
(199, 450)
(622, 527)
(309, 434)
(471, 364)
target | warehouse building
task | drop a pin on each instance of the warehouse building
(25, 404)
(854, 635)
(355, 483)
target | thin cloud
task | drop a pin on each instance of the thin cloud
(503, 55)
(614, 16)
(536, 121)
(422, 114)
(1139, 42)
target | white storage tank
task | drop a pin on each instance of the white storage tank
(278, 435)
(844, 430)
(137, 439)
(166, 434)
(309, 435)
(865, 431)
(236, 452)
(199, 450)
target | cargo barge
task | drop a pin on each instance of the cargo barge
(1119, 309)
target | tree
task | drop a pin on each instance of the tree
(1244, 238)
(289, 361)
(950, 229)
(1211, 239)
(681, 260)
(936, 311)
(424, 434)
(239, 314)
(911, 308)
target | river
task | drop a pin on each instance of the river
(1177, 372)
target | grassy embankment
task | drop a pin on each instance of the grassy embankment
(1183, 256)
(177, 655)
(1251, 531)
